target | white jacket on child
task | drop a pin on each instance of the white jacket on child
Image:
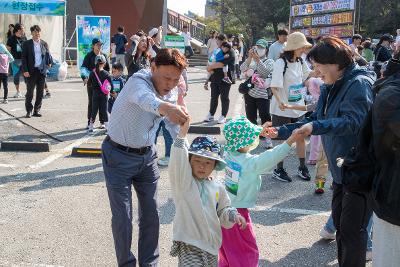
(202, 206)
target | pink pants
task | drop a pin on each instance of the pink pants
(315, 143)
(239, 247)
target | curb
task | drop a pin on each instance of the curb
(87, 152)
(25, 146)
(204, 129)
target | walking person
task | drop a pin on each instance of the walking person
(130, 158)
(36, 60)
(346, 97)
(276, 49)
(88, 65)
(257, 99)
(188, 47)
(5, 59)
(120, 41)
(212, 43)
(14, 45)
(219, 88)
(287, 85)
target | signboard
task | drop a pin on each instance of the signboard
(174, 41)
(33, 7)
(318, 18)
(89, 27)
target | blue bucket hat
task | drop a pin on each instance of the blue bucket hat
(208, 147)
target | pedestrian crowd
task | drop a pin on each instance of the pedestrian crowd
(341, 95)
(28, 58)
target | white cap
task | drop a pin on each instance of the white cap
(152, 32)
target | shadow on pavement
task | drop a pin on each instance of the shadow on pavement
(58, 178)
(167, 212)
(321, 253)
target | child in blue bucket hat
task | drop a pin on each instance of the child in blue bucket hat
(243, 182)
(202, 204)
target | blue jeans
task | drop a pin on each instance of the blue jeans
(123, 170)
(331, 228)
(167, 138)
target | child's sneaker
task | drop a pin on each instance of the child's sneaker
(227, 80)
(209, 118)
(90, 127)
(47, 95)
(221, 120)
(303, 173)
(5, 101)
(102, 126)
(320, 184)
(281, 175)
(327, 235)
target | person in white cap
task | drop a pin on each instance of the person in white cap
(287, 84)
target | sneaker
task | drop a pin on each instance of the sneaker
(163, 162)
(209, 118)
(227, 80)
(320, 184)
(281, 175)
(47, 95)
(303, 173)
(90, 128)
(266, 143)
(368, 256)
(5, 101)
(17, 95)
(102, 126)
(221, 120)
(36, 114)
(326, 234)
(206, 86)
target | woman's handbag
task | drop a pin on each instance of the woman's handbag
(245, 87)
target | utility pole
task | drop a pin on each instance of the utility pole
(222, 16)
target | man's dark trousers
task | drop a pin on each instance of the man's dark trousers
(122, 170)
(37, 80)
(351, 212)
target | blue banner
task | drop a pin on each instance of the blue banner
(89, 27)
(33, 7)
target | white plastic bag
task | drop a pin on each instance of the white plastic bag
(62, 71)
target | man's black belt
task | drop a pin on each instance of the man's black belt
(140, 151)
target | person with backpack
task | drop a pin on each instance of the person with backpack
(5, 59)
(287, 85)
(257, 99)
(101, 82)
(346, 97)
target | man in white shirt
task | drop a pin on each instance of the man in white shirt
(188, 47)
(36, 60)
(276, 48)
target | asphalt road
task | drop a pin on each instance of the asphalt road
(54, 207)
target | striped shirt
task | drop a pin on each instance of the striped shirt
(135, 117)
(264, 69)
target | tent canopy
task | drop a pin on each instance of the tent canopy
(33, 7)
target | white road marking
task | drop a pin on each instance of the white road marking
(60, 153)
(7, 166)
(292, 211)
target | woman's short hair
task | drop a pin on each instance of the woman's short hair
(331, 50)
(170, 57)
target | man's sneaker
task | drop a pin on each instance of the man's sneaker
(5, 101)
(281, 175)
(368, 256)
(209, 118)
(163, 162)
(227, 80)
(102, 126)
(221, 120)
(327, 235)
(266, 143)
(319, 186)
(303, 173)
